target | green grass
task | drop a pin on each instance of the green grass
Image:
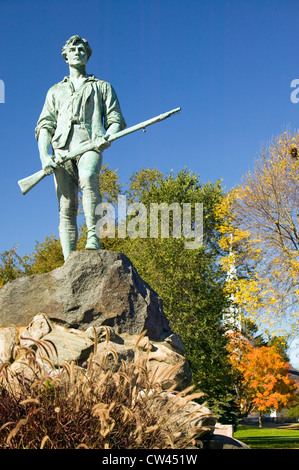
(268, 438)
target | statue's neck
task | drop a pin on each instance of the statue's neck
(77, 72)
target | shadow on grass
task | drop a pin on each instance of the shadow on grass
(271, 442)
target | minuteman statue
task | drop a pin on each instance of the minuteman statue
(76, 111)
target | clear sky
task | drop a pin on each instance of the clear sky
(228, 64)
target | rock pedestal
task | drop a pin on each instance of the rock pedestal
(92, 288)
(93, 294)
(95, 303)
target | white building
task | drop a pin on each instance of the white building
(231, 316)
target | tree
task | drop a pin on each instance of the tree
(251, 332)
(264, 382)
(293, 411)
(140, 183)
(259, 222)
(46, 256)
(110, 184)
(13, 266)
(189, 281)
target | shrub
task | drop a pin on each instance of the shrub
(72, 407)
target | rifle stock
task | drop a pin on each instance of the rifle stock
(26, 184)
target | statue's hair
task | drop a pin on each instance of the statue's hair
(73, 40)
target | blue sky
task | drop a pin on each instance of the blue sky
(227, 63)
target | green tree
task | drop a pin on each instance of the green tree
(140, 183)
(12, 266)
(110, 184)
(293, 411)
(189, 281)
(46, 256)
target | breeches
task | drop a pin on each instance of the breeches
(74, 175)
(81, 173)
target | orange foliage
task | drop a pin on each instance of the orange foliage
(265, 384)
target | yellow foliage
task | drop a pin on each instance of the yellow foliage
(259, 224)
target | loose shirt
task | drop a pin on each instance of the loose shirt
(94, 105)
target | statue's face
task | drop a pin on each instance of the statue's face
(76, 54)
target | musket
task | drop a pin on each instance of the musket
(28, 183)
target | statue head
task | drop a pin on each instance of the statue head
(74, 40)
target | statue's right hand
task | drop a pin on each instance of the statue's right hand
(48, 164)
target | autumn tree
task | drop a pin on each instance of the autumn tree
(260, 228)
(263, 381)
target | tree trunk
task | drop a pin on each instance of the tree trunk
(260, 420)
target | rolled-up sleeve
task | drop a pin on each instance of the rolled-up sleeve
(111, 108)
(47, 119)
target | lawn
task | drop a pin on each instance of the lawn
(268, 437)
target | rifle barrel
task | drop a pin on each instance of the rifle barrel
(142, 125)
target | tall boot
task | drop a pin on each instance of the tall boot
(68, 233)
(89, 207)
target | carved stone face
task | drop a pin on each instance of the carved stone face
(76, 54)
